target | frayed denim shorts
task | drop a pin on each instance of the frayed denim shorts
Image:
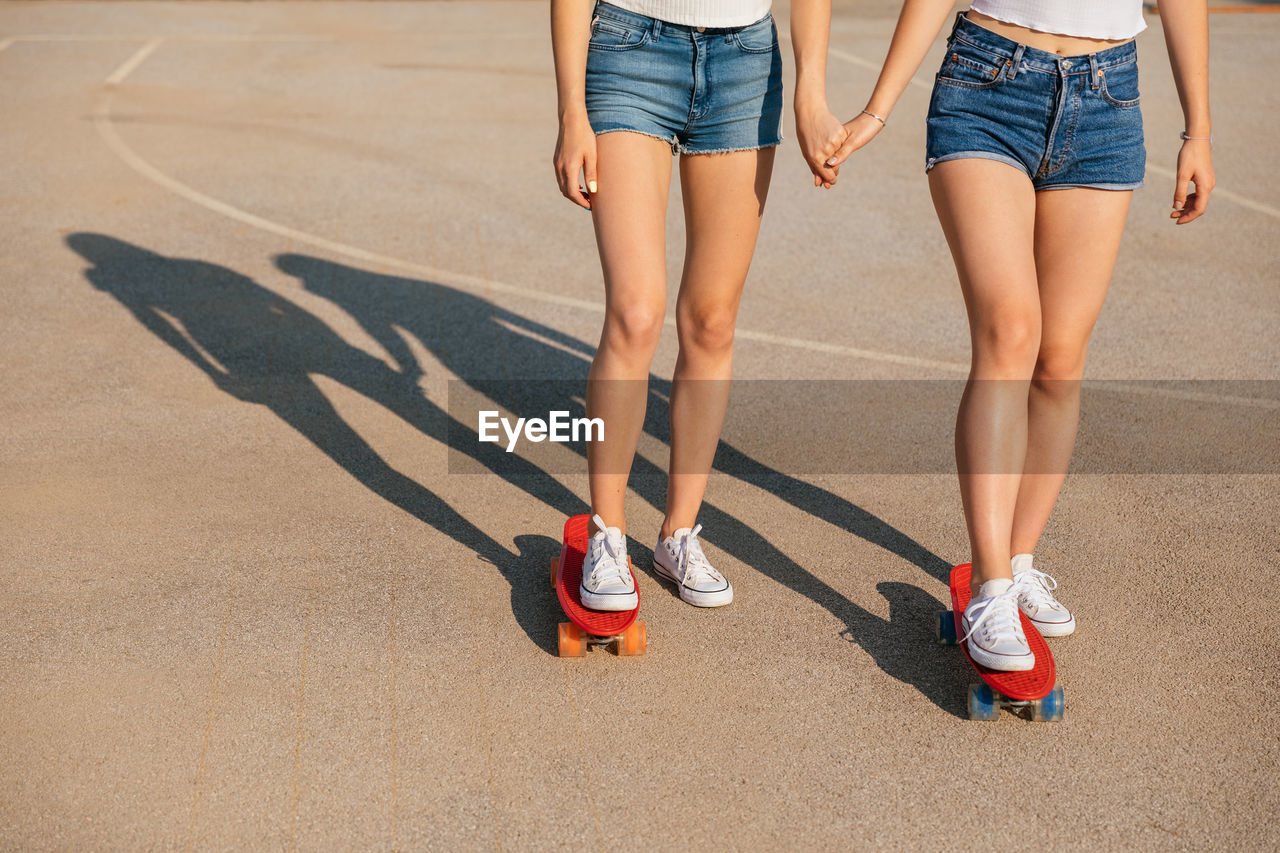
(705, 90)
(1066, 121)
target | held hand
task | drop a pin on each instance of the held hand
(1195, 166)
(820, 134)
(860, 130)
(575, 154)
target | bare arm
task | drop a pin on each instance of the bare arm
(820, 132)
(576, 145)
(1186, 32)
(918, 25)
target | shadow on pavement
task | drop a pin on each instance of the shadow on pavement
(264, 349)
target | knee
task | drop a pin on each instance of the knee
(1009, 344)
(634, 328)
(1059, 368)
(708, 330)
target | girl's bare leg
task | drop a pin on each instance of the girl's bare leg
(1077, 238)
(988, 214)
(629, 211)
(724, 197)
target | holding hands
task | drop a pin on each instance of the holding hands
(826, 143)
(820, 134)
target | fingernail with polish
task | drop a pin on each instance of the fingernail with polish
(591, 185)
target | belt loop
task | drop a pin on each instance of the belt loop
(1093, 70)
(1016, 62)
(956, 25)
(657, 29)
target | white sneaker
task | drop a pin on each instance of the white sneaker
(679, 558)
(607, 583)
(993, 628)
(1035, 598)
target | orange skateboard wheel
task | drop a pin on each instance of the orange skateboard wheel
(633, 640)
(573, 643)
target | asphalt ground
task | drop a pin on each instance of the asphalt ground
(243, 249)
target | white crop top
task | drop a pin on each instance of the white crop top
(1091, 19)
(700, 13)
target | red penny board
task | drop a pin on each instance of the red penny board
(600, 623)
(1033, 684)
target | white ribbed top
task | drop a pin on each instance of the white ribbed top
(1090, 19)
(700, 13)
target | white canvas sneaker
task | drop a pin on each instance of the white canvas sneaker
(679, 558)
(607, 583)
(993, 629)
(1035, 598)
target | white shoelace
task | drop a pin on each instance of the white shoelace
(1038, 588)
(692, 562)
(615, 567)
(999, 614)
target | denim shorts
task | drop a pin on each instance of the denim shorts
(705, 90)
(1066, 121)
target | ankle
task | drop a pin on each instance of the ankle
(670, 527)
(980, 574)
(593, 528)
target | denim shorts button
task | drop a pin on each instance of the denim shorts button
(702, 29)
(1066, 63)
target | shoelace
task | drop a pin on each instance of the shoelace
(616, 566)
(1038, 587)
(1001, 611)
(693, 562)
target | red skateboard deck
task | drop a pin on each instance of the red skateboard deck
(1033, 691)
(585, 627)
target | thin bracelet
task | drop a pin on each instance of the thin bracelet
(1183, 135)
(883, 123)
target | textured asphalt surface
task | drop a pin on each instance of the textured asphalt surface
(244, 247)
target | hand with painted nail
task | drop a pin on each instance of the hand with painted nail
(820, 134)
(575, 158)
(859, 130)
(1195, 167)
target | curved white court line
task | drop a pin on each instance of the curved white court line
(126, 68)
(103, 123)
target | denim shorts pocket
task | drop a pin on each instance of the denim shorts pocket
(608, 34)
(1118, 85)
(760, 37)
(970, 68)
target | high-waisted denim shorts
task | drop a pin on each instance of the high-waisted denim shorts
(1067, 121)
(703, 89)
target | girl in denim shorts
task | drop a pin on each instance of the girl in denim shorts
(1034, 148)
(639, 81)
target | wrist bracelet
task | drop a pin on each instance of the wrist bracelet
(1183, 136)
(883, 123)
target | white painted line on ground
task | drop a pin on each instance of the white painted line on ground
(1219, 192)
(1256, 206)
(1122, 387)
(854, 352)
(131, 64)
(268, 38)
(463, 281)
(102, 121)
(76, 37)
